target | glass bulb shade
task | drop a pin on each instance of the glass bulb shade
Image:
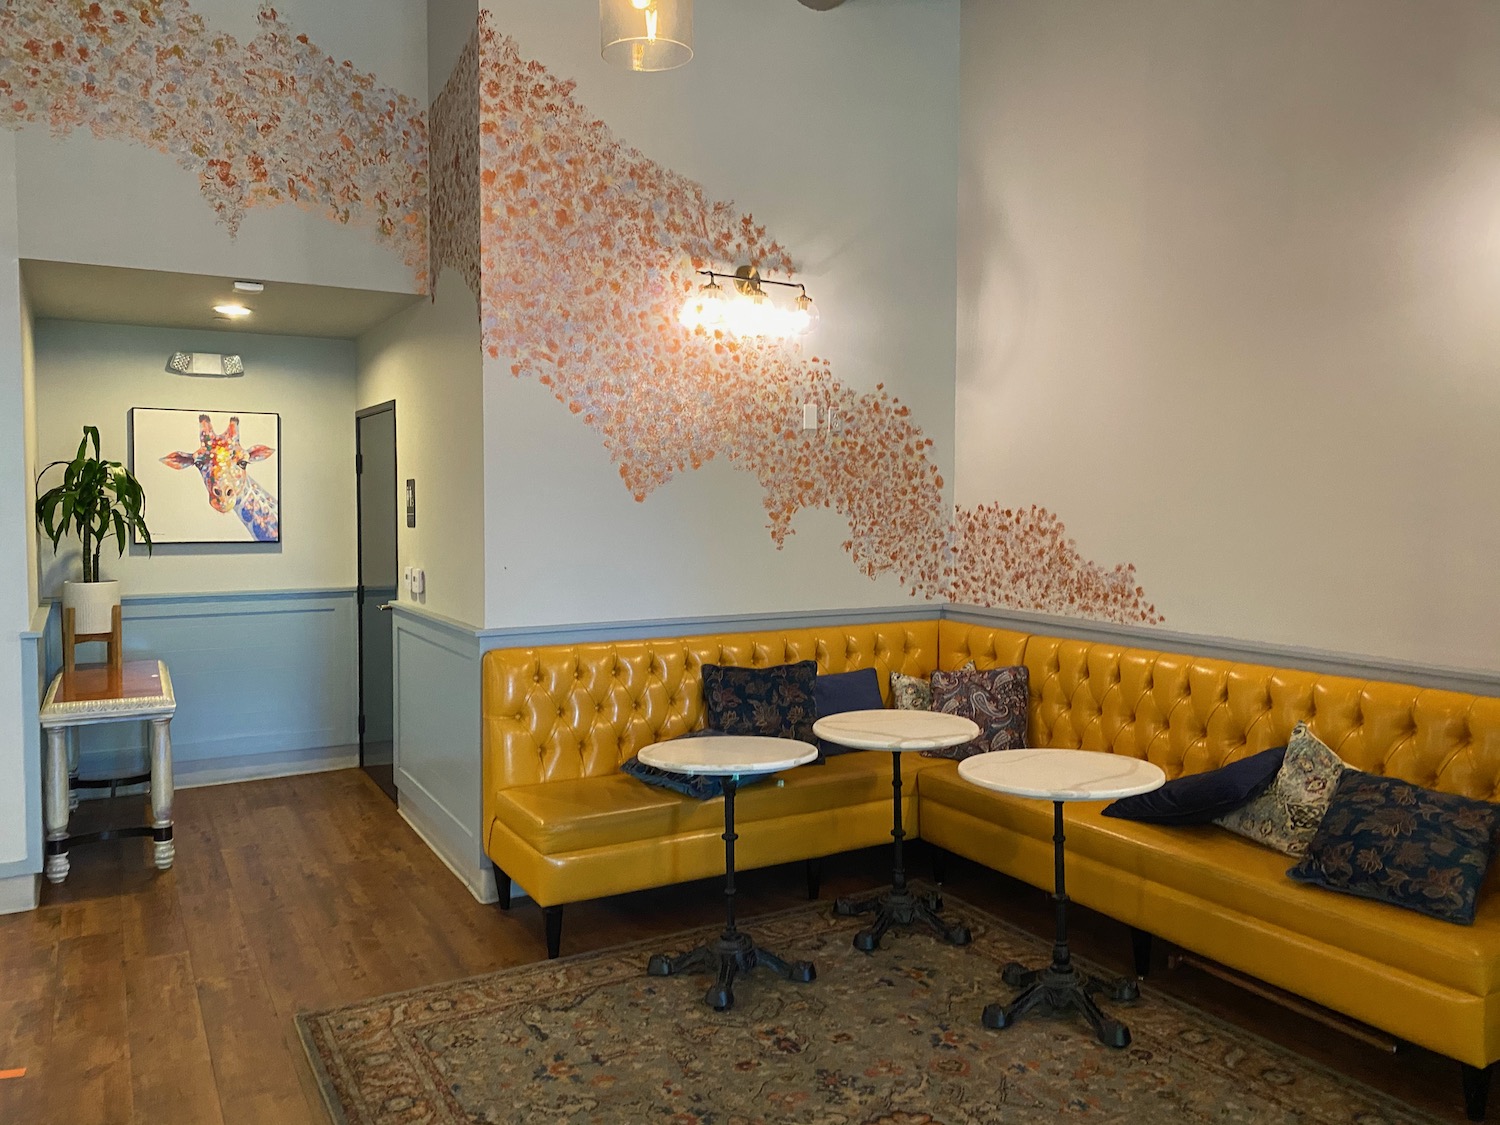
(806, 316)
(703, 309)
(654, 35)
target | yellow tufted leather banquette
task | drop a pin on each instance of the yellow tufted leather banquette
(1424, 981)
(562, 821)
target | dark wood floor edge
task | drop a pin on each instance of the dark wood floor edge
(331, 1104)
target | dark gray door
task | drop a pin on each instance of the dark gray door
(375, 461)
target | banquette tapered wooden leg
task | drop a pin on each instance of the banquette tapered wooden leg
(553, 917)
(1140, 946)
(1477, 1090)
(939, 860)
(814, 877)
(502, 888)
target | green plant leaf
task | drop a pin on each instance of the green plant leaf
(96, 498)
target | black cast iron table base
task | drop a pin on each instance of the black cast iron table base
(1055, 990)
(729, 956)
(900, 907)
(734, 952)
(1060, 988)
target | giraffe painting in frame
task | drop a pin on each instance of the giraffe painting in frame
(235, 460)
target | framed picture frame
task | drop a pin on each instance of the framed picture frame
(210, 476)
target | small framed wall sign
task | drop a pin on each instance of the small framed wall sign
(210, 476)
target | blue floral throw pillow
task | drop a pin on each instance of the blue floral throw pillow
(776, 702)
(1399, 843)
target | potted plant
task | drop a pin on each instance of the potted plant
(96, 499)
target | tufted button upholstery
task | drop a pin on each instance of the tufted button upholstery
(571, 711)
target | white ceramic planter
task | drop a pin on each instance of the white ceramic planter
(93, 604)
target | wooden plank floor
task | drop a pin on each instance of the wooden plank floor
(133, 996)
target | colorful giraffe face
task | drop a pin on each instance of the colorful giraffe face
(222, 461)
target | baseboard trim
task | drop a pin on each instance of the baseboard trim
(259, 767)
(480, 879)
(20, 893)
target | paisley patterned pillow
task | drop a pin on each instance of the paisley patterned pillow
(1286, 816)
(777, 702)
(996, 699)
(1396, 842)
(913, 693)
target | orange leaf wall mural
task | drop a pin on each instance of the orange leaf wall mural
(270, 122)
(587, 248)
(579, 249)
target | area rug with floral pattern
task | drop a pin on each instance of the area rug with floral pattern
(890, 1038)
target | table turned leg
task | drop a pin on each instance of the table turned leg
(1060, 987)
(899, 906)
(72, 737)
(163, 846)
(734, 952)
(56, 805)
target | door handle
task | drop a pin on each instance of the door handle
(384, 607)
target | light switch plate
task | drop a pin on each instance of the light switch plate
(809, 416)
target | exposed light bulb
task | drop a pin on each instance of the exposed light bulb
(805, 316)
(640, 5)
(703, 309)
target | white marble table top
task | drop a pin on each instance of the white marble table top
(728, 756)
(895, 729)
(1062, 775)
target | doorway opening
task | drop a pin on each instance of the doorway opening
(375, 471)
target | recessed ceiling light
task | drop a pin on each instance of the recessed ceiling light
(232, 310)
(249, 286)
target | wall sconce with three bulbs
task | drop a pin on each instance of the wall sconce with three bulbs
(742, 307)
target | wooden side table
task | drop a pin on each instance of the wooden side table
(91, 694)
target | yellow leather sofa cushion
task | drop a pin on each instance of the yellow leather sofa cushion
(1218, 867)
(591, 812)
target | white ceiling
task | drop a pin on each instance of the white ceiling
(112, 295)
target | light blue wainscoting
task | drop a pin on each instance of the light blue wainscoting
(266, 684)
(438, 760)
(20, 880)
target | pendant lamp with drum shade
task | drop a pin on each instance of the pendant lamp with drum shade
(646, 34)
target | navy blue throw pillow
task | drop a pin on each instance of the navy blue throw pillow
(845, 691)
(688, 784)
(1199, 797)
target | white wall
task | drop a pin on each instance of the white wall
(837, 131)
(96, 190)
(28, 392)
(427, 359)
(15, 603)
(1228, 278)
(95, 373)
